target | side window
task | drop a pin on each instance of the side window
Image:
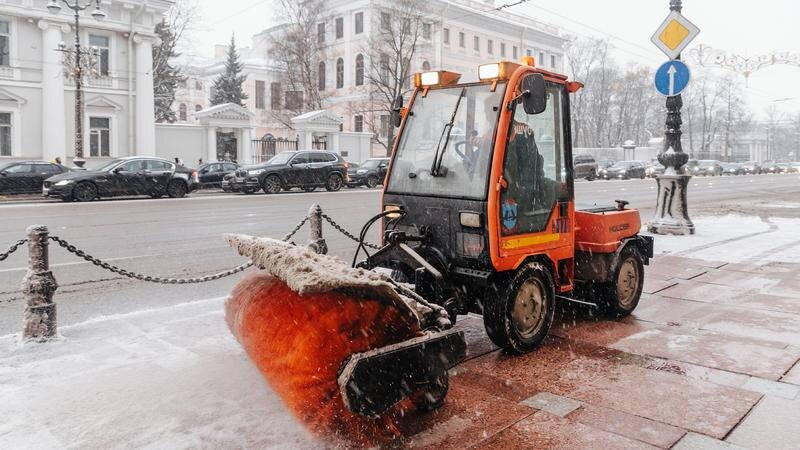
(301, 158)
(133, 166)
(229, 167)
(42, 169)
(533, 168)
(19, 168)
(158, 166)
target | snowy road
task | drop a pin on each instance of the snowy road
(183, 237)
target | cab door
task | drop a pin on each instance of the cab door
(157, 175)
(299, 171)
(128, 178)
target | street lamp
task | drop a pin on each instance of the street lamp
(55, 8)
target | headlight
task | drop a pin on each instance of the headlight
(63, 182)
(361, 171)
(255, 172)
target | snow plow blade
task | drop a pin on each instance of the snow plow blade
(372, 382)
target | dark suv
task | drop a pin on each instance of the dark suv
(585, 167)
(306, 169)
(27, 176)
(370, 174)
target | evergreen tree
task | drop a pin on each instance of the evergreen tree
(166, 77)
(228, 85)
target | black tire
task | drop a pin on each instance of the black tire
(272, 185)
(309, 188)
(619, 297)
(84, 192)
(334, 182)
(592, 176)
(518, 316)
(372, 182)
(177, 189)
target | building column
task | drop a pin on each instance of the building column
(145, 102)
(334, 141)
(211, 144)
(246, 155)
(54, 121)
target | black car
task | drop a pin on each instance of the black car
(732, 169)
(585, 167)
(370, 173)
(26, 177)
(624, 170)
(211, 174)
(751, 168)
(136, 175)
(306, 169)
(708, 167)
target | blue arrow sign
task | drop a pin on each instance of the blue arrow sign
(672, 78)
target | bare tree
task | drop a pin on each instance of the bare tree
(394, 41)
(172, 31)
(299, 53)
(582, 58)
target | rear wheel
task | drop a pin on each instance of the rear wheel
(334, 182)
(592, 176)
(84, 192)
(177, 189)
(621, 296)
(372, 181)
(272, 184)
(518, 317)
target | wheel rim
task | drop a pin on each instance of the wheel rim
(372, 182)
(273, 185)
(627, 283)
(335, 182)
(528, 313)
(84, 192)
(176, 189)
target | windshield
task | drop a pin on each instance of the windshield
(465, 158)
(371, 163)
(623, 164)
(281, 158)
(706, 163)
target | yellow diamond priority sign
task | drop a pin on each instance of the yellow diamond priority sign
(674, 34)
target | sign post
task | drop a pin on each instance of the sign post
(672, 211)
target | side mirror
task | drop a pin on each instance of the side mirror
(534, 95)
(397, 106)
(118, 169)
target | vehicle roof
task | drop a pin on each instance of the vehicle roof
(128, 158)
(30, 161)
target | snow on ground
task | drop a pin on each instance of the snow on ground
(736, 238)
(172, 377)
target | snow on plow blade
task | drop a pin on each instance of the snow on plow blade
(348, 351)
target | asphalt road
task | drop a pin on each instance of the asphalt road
(182, 238)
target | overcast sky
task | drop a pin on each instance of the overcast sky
(738, 26)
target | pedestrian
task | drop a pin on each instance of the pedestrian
(200, 162)
(57, 160)
(178, 161)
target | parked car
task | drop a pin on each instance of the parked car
(306, 169)
(751, 168)
(135, 175)
(585, 167)
(708, 167)
(624, 170)
(732, 169)
(370, 173)
(604, 164)
(769, 167)
(211, 174)
(654, 169)
(26, 177)
(227, 182)
(784, 168)
(796, 167)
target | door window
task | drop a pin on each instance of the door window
(229, 167)
(158, 166)
(533, 168)
(42, 169)
(302, 158)
(133, 166)
(321, 158)
(19, 168)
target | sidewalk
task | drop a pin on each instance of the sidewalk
(709, 360)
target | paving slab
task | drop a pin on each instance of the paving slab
(694, 441)
(737, 279)
(634, 427)
(683, 272)
(793, 375)
(772, 424)
(554, 404)
(769, 387)
(545, 430)
(706, 292)
(672, 260)
(651, 285)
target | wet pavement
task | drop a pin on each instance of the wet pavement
(708, 360)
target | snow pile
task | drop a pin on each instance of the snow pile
(172, 377)
(736, 238)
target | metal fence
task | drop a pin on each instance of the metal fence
(39, 285)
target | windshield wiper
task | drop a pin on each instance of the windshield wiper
(438, 156)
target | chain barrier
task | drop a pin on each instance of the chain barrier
(12, 249)
(296, 229)
(346, 233)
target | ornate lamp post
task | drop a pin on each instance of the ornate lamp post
(672, 212)
(55, 7)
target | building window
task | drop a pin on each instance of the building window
(5, 44)
(384, 68)
(198, 85)
(275, 96)
(490, 47)
(529, 52)
(426, 66)
(461, 39)
(359, 23)
(476, 43)
(541, 58)
(358, 124)
(515, 51)
(198, 108)
(261, 94)
(102, 44)
(386, 21)
(100, 136)
(446, 36)
(339, 27)
(553, 61)
(384, 125)
(339, 73)
(502, 49)
(321, 32)
(5, 134)
(321, 76)
(294, 100)
(360, 70)
(182, 112)
(426, 31)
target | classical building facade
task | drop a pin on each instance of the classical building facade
(37, 98)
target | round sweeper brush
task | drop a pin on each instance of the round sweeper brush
(347, 350)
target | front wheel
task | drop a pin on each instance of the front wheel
(177, 189)
(518, 317)
(84, 192)
(334, 182)
(372, 182)
(621, 296)
(272, 185)
(592, 176)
